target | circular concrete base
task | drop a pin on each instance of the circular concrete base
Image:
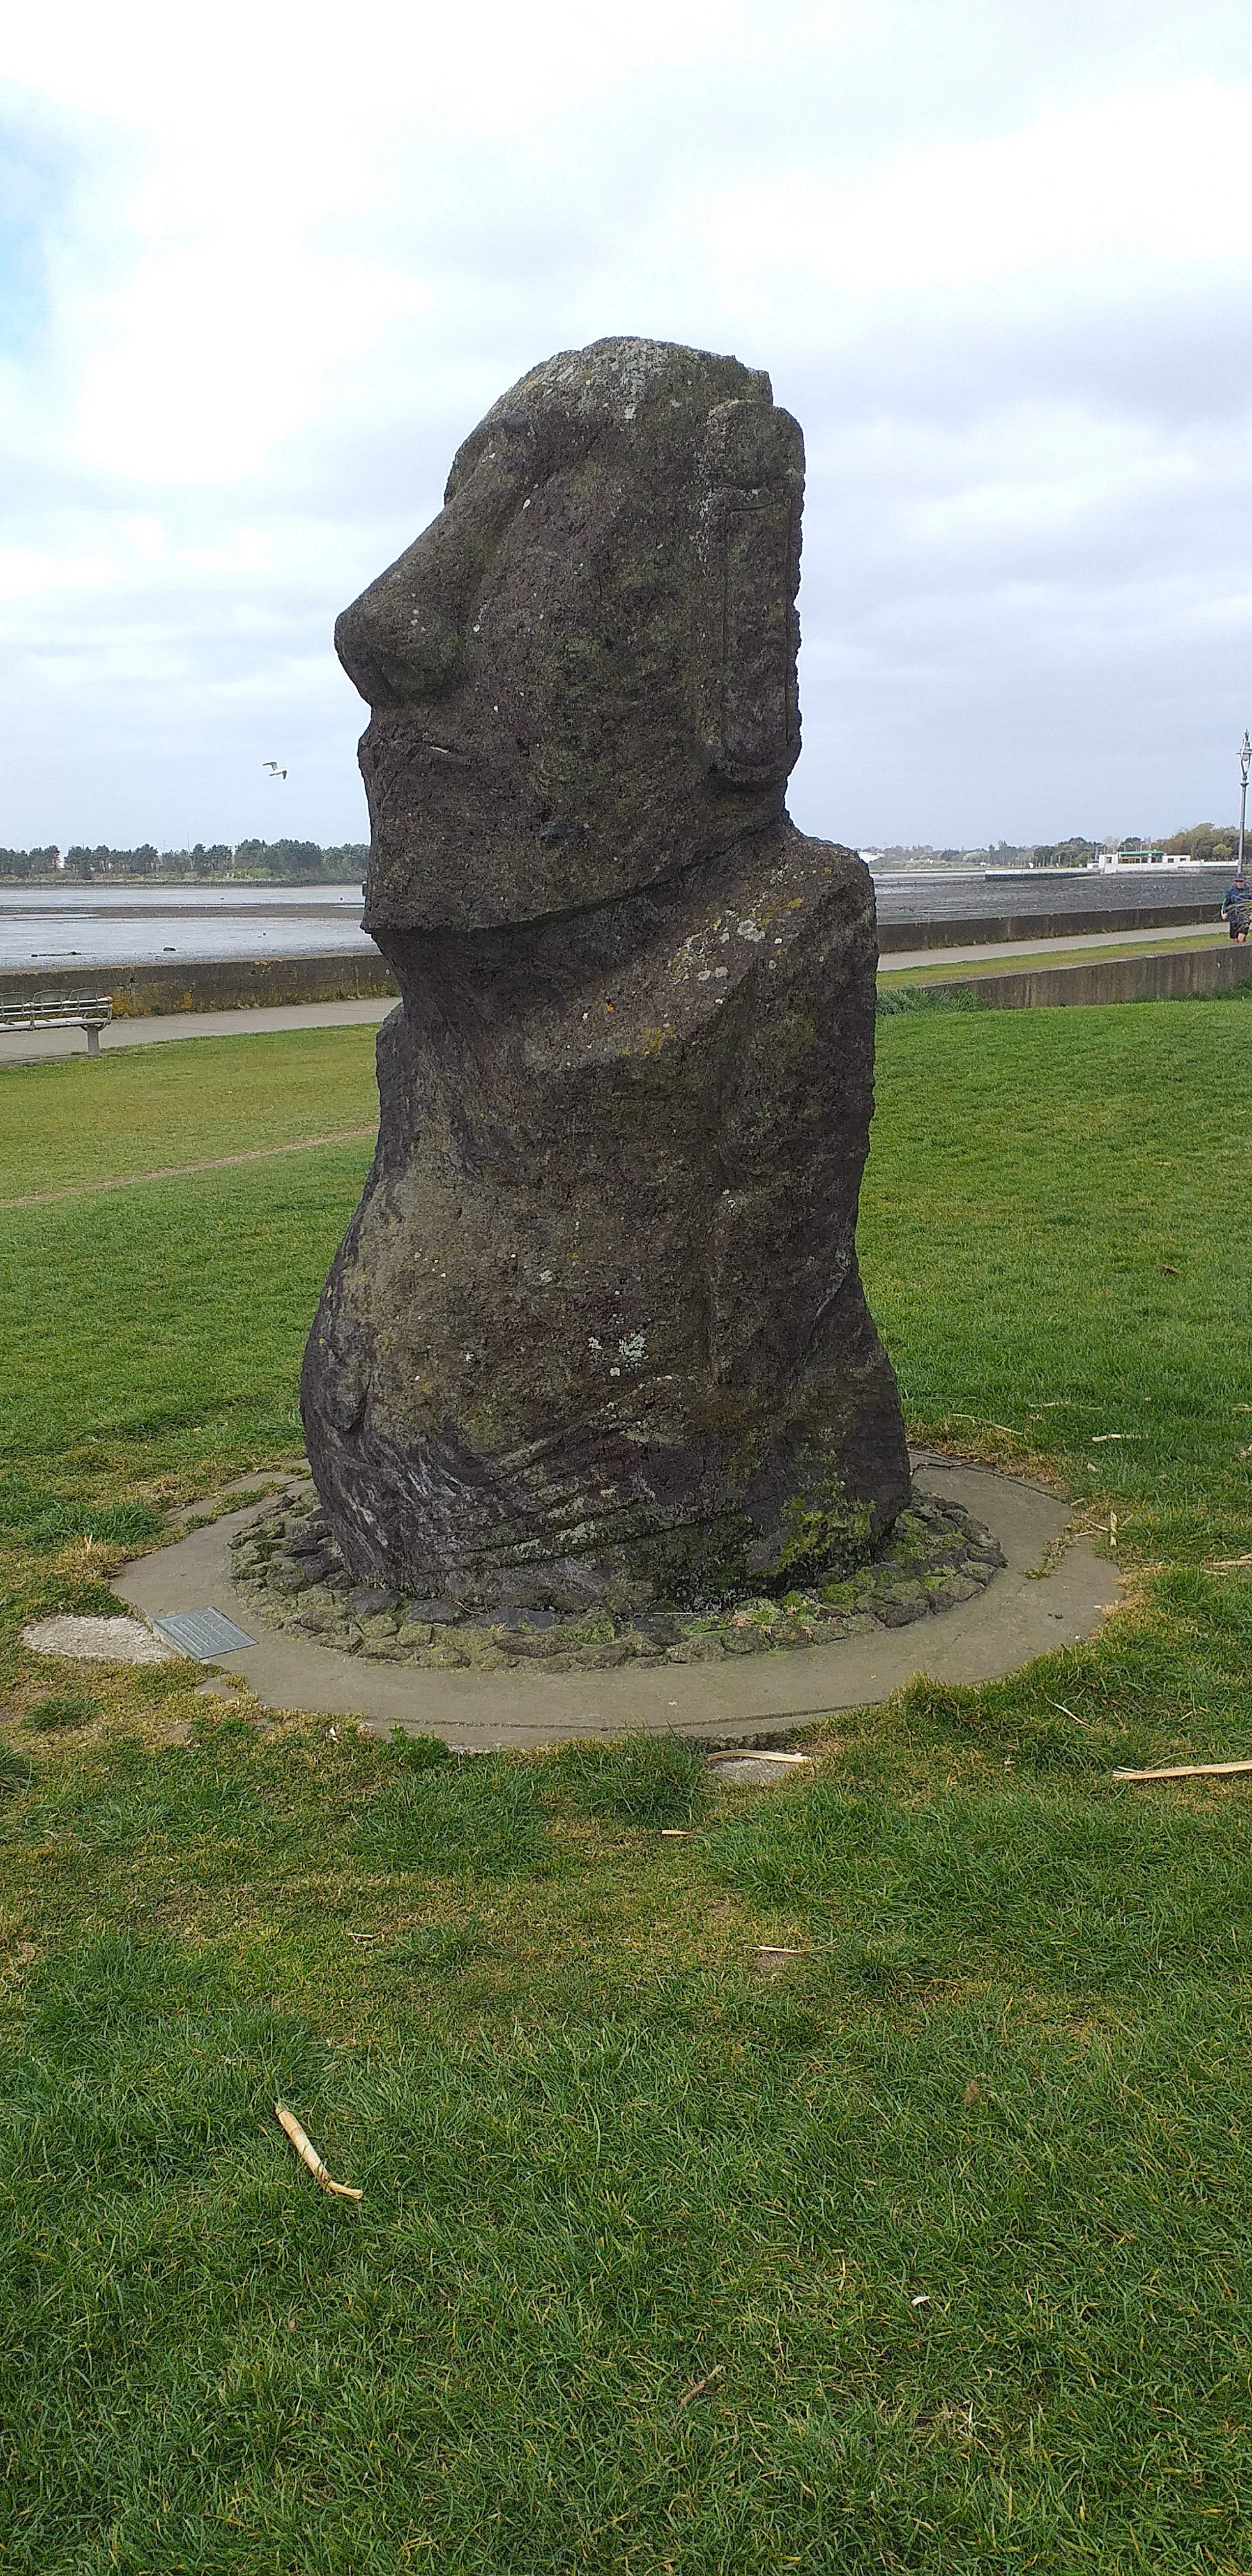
(1024, 1611)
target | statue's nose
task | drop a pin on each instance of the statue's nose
(407, 640)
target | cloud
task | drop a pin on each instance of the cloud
(265, 270)
(32, 182)
(1136, 184)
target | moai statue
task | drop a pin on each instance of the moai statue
(596, 1331)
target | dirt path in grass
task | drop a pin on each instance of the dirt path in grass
(180, 1171)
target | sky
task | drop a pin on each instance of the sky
(261, 269)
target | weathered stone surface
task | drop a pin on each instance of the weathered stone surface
(596, 1332)
(923, 1538)
(310, 1541)
(370, 1599)
(582, 676)
(752, 1770)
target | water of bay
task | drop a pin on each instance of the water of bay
(90, 925)
(113, 926)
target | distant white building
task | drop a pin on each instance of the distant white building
(1144, 858)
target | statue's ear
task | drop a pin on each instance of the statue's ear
(754, 492)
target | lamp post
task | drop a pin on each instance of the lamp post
(1245, 763)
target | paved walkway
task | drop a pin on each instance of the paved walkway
(34, 1046)
(1091, 942)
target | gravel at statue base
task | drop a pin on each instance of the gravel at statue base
(287, 1565)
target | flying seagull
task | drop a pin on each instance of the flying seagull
(273, 768)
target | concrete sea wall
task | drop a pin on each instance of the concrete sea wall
(979, 930)
(214, 984)
(237, 983)
(1109, 979)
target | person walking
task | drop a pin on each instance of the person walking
(1237, 909)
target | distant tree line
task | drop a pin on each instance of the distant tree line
(1065, 854)
(28, 863)
(344, 863)
(917, 854)
(1211, 842)
(255, 862)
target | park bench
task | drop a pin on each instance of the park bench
(89, 1011)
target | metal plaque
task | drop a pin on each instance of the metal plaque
(204, 1634)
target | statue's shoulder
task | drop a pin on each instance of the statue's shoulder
(835, 854)
(829, 862)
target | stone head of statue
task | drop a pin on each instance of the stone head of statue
(582, 677)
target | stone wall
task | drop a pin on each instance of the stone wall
(214, 983)
(1110, 979)
(980, 930)
(240, 983)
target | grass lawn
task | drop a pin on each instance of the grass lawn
(931, 2255)
(208, 1096)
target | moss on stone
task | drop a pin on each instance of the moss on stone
(935, 1558)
